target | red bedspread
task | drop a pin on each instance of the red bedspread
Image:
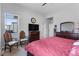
(52, 46)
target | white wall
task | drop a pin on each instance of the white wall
(24, 15)
(0, 26)
(69, 14)
(58, 20)
(25, 19)
(63, 17)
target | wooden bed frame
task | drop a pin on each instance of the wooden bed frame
(74, 36)
(29, 54)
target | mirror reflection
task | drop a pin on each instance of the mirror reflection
(67, 27)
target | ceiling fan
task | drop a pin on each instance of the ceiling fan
(44, 4)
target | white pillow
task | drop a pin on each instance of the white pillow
(76, 43)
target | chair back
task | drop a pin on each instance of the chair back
(7, 37)
(10, 36)
(22, 35)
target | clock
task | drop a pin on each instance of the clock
(33, 20)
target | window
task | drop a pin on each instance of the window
(11, 22)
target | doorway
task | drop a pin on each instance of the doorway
(49, 27)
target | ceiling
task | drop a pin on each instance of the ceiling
(48, 8)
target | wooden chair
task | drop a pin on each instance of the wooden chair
(9, 42)
(22, 38)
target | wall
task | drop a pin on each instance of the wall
(66, 17)
(69, 14)
(24, 18)
(25, 14)
(0, 26)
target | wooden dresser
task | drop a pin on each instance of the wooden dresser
(68, 35)
(34, 35)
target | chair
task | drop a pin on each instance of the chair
(22, 38)
(9, 41)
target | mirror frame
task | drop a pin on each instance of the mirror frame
(65, 23)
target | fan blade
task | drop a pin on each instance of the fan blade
(44, 4)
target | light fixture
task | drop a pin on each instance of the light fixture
(44, 4)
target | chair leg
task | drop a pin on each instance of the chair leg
(5, 48)
(10, 49)
(17, 45)
(21, 44)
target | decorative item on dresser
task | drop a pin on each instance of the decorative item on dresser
(55, 30)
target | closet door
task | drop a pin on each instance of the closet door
(51, 30)
(50, 26)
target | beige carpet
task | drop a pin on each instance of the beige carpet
(20, 51)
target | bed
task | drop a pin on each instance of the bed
(51, 46)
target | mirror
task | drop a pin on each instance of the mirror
(67, 27)
(11, 23)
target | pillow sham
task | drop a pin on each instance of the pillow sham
(76, 43)
(75, 49)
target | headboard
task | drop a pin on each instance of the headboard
(74, 36)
